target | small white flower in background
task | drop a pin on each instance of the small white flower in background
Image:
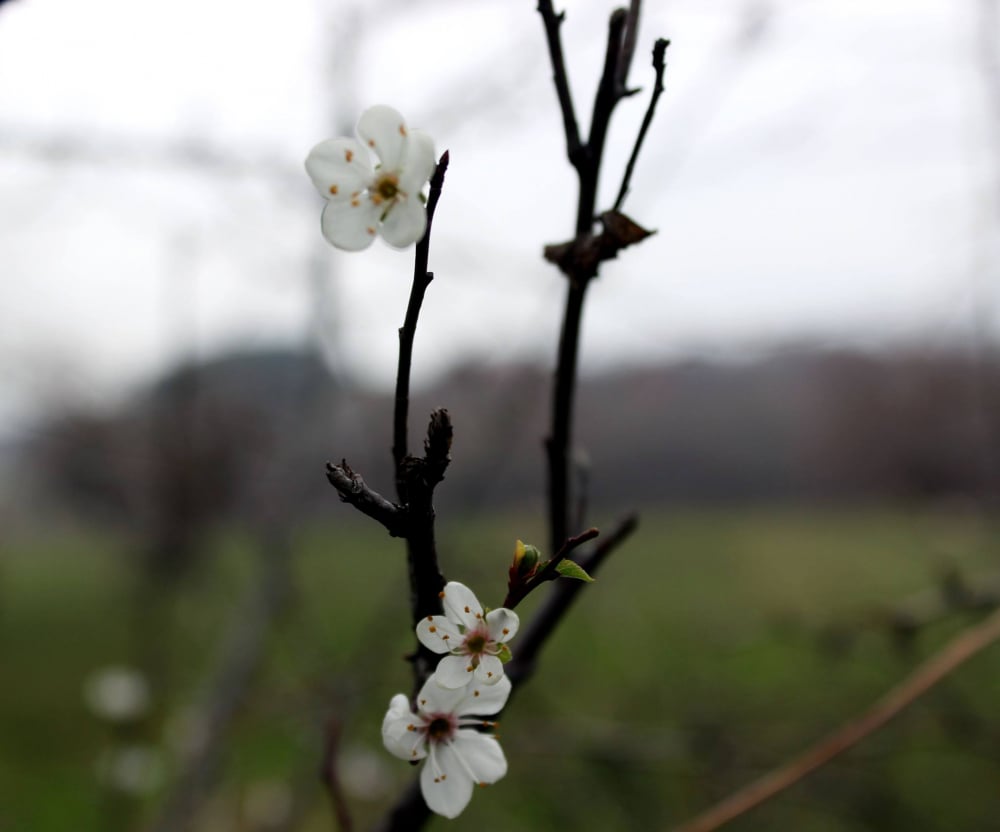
(363, 200)
(135, 770)
(475, 642)
(444, 731)
(117, 693)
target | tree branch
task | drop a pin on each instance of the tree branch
(354, 490)
(574, 149)
(421, 280)
(659, 65)
(939, 666)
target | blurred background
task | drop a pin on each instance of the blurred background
(795, 381)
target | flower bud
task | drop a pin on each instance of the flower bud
(526, 558)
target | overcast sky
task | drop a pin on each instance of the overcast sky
(819, 169)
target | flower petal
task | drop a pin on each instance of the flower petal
(431, 632)
(481, 754)
(383, 129)
(350, 226)
(490, 670)
(444, 783)
(435, 699)
(339, 168)
(405, 223)
(398, 737)
(461, 605)
(418, 164)
(503, 624)
(453, 672)
(484, 700)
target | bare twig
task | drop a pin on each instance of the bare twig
(574, 149)
(962, 648)
(659, 65)
(628, 47)
(592, 249)
(354, 490)
(421, 280)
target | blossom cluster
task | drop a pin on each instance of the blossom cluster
(445, 726)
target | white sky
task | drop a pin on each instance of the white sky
(831, 178)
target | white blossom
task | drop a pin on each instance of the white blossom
(443, 732)
(118, 693)
(473, 640)
(363, 199)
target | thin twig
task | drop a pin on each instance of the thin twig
(939, 666)
(549, 572)
(560, 598)
(574, 149)
(609, 93)
(354, 490)
(628, 47)
(421, 280)
(659, 65)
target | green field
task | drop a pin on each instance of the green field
(714, 645)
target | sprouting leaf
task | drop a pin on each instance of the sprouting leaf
(571, 569)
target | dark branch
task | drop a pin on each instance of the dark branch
(409, 813)
(353, 489)
(628, 47)
(421, 280)
(575, 151)
(659, 65)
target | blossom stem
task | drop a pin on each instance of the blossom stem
(421, 280)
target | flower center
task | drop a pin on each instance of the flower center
(476, 643)
(439, 729)
(386, 189)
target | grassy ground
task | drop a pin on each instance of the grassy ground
(715, 644)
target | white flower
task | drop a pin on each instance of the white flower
(443, 730)
(474, 641)
(118, 693)
(363, 200)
